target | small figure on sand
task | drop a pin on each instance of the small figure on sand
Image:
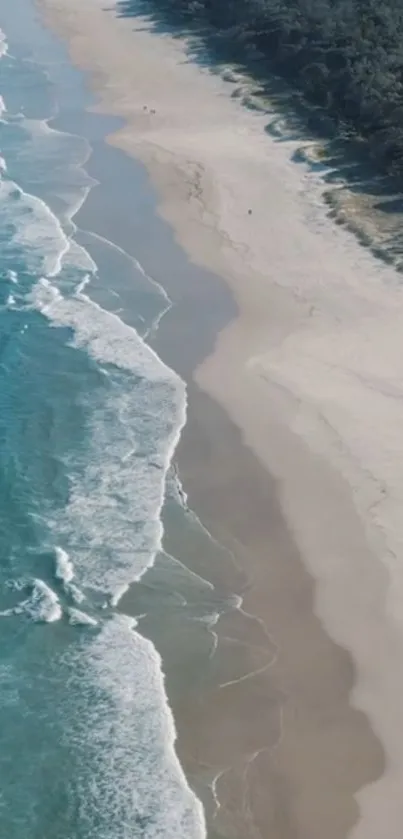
(249, 212)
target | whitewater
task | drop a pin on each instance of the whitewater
(90, 419)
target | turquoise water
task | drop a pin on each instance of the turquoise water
(89, 419)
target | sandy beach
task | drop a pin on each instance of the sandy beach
(292, 455)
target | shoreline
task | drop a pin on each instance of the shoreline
(257, 376)
(200, 716)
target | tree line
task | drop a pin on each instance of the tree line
(346, 56)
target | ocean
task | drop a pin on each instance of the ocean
(90, 417)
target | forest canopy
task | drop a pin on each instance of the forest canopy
(345, 55)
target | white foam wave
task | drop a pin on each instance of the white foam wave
(176, 489)
(12, 276)
(83, 285)
(112, 523)
(139, 786)
(48, 142)
(78, 257)
(10, 302)
(47, 239)
(3, 44)
(3, 164)
(75, 593)
(42, 605)
(138, 266)
(78, 618)
(64, 570)
(35, 228)
(70, 181)
(103, 334)
(3, 108)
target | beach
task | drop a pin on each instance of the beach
(291, 456)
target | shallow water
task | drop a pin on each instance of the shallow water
(89, 420)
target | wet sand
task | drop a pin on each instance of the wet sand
(291, 455)
(294, 750)
(288, 749)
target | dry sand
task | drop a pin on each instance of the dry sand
(311, 373)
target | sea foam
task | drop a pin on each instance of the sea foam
(112, 522)
(3, 44)
(127, 733)
(78, 618)
(45, 239)
(64, 570)
(42, 604)
(70, 182)
(35, 230)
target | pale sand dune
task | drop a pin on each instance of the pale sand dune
(311, 371)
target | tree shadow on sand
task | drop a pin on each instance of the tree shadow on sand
(368, 202)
